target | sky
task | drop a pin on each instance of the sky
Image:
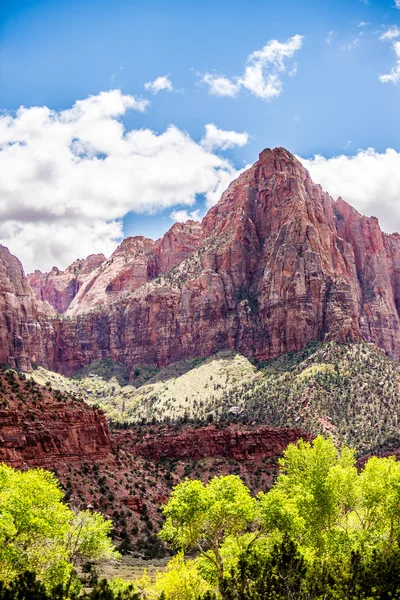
(119, 117)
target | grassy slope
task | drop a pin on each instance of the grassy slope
(348, 391)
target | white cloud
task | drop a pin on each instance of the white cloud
(262, 71)
(161, 83)
(68, 178)
(219, 138)
(353, 44)
(369, 181)
(330, 37)
(391, 33)
(394, 75)
(363, 24)
(220, 86)
(183, 215)
(397, 3)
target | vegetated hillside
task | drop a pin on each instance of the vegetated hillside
(349, 391)
(126, 474)
(186, 390)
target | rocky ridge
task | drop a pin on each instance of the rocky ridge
(42, 427)
(96, 283)
(275, 264)
(240, 443)
(59, 288)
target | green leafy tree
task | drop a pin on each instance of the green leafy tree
(202, 516)
(317, 496)
(180, 579)
(39, 533)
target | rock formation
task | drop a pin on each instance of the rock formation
(239, 443)
(41, 428)
(26, 332)
(275, 264)
(96, 283)
(59, 288)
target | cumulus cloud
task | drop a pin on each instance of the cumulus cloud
(391, 33)
(369, 181)
(161, 83)
(262, 73)
(397, 3)
(219, 138)
(67, 178)
(394, 75)
(184, 215)
(220, 86)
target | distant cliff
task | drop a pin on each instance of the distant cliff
(241, 443)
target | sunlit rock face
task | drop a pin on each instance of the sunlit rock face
(39, 427)
(275, 264)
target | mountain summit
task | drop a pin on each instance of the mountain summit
(275, 264)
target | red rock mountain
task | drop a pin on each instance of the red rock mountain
(275, 264)
(59, 288)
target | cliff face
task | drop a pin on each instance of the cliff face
(59, 288)
(96, 283)
(41, 428)
(26, 332)
(234, 442)
(275, 264)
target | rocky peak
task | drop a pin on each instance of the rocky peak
(275, 264)
(59, 288)
(136, 261)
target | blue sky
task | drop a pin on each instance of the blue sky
(332, 103)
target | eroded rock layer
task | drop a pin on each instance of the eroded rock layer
(239, 443)
(39, 427)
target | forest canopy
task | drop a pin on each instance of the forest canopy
(324, 531)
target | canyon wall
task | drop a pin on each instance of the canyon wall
(39, 427)
(239, 443)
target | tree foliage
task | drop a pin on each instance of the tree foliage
(202, 516)
(39, 533)
(324, 530)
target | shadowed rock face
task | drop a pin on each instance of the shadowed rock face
(275, 264)
(238, 443)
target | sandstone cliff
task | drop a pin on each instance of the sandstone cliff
(96, 283)
(39, 427)
(275, 264)
(26, 332)
(59, 288)
(241, 443)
